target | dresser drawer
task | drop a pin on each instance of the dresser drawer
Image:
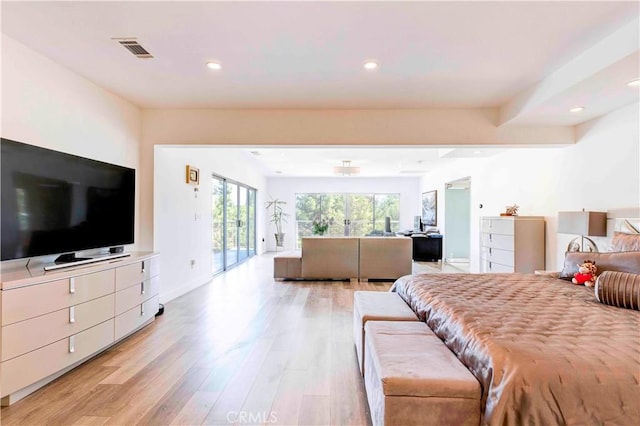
(24, 370)
(135, 295)
(498, 226)
(25, 336)
(135, 317)
(487, 266)
(27, 302)
(504, 257)
(499, 241)
(130, 275)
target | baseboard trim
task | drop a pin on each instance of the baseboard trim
(167, 296)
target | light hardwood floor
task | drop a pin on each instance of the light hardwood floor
(244, 349)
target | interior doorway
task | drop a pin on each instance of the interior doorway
(457, 213)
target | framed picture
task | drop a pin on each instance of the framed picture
(193, 175)
(430, 208)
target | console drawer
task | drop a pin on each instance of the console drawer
(24, 370)
(489, 267)
(23, 303)
(135, 295)
(130, 275)
(498, 226)
(504, 257)
(25, 336)
(135, 317)
(499, 241)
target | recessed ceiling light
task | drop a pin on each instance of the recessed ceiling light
(214, 65)
(577, 109)
(476, 152)
(370, 65)
(634, 83)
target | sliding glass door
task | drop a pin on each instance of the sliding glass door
(234, 221)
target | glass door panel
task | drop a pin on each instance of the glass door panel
(360, 214)
(233, 209)
(308, 208)
(243, 235)
(333, 209)
(386, 205)
(251, 222)
(217, 224)
(232, 224)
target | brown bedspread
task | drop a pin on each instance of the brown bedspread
(543, 349)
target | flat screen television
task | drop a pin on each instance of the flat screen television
(57, 203)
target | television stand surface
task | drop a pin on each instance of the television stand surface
(81, 261)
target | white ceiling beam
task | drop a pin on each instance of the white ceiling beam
(607, 52)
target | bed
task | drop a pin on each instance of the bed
(544, 350)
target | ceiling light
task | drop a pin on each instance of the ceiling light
(214, 65)
(634, 83)
(476, 152)
(370, 65)
(346, 169)
(577, 109)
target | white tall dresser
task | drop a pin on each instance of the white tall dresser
(512, 244)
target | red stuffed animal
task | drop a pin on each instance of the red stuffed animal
(586, 274)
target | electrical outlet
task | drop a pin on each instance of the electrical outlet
(193, 263)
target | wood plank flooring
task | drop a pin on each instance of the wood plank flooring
(244, 349)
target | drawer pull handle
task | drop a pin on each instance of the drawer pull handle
(72, 344)
(490, 237)
(72, 314)
(489, 265)
(72, 285)
(141, 310)
(143, 266)
(142, 287)
(489, 250)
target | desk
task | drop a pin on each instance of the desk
(427, 248)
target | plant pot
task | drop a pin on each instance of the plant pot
(279, 240)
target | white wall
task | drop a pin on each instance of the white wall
(600, 172)
(182, 230)
(47, 105)
(287, 188)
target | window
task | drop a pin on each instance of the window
(348, 214)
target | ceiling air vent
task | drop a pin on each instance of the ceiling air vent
(136, 48)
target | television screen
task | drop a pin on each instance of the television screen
(56, 203)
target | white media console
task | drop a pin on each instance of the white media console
(52, 321)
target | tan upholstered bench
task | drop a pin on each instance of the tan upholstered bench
(376, 306)
(412, 378)
(287, 265)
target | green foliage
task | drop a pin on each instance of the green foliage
(320, 226)
(366, 212)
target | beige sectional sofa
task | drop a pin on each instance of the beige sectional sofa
(347, 258)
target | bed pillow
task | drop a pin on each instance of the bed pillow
(625, 242)
(627, 261)
(618, 289)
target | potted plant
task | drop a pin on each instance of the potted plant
(277, 218)
(320, 226)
